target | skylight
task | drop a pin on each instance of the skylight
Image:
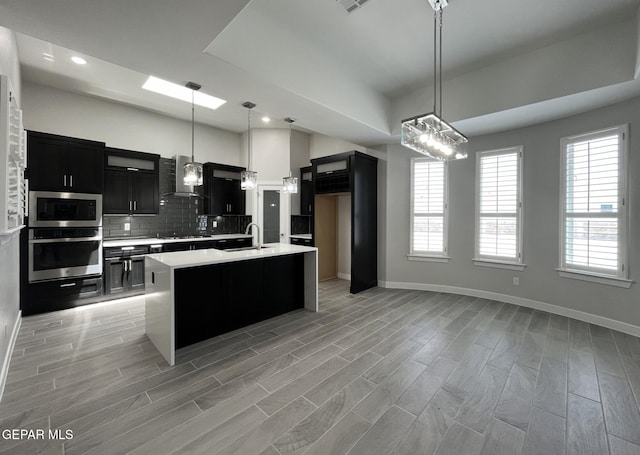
(182, 93)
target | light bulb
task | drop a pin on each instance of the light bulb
(424, 138)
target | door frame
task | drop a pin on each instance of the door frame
(285, 208)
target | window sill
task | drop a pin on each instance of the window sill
(499, 264)
(600, 279)
(426, 258)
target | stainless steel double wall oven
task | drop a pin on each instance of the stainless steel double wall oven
(65, 235)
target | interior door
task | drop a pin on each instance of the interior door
(273, 209)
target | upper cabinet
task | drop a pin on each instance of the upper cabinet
(131, 183)
(59, 163)
(306, 190)
(222, 192)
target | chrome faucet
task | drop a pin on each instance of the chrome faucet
(246, 232)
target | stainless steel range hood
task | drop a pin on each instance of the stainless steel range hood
(180, 188)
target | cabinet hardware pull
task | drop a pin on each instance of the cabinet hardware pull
(67, 285)
(127, 248)
(133, 169)
(130, 205)
(135, 205)
(64, 180)
(71, 180)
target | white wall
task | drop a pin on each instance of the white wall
(300, 156)
(539, 282)
(55, 111)
(9, 247)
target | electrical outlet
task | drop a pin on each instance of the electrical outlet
(127, 226)
(516, 281)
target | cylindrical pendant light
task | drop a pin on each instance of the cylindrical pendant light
(248, 178)
(290, 184)
(193, 170)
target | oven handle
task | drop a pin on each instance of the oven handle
(78, 239)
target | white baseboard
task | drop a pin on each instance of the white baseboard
(344, 276)
(536, 305)
(4, 371)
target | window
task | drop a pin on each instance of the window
(593, 225)
(499, 208)
(428, 209)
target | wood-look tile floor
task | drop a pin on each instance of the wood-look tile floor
(384, 371)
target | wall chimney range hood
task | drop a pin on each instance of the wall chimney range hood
(178, 186)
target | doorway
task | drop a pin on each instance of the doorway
(272, 208)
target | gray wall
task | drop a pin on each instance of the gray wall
(9, 247)
(69, 114)
(539, 282)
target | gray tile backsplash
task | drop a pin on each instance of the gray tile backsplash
(179, 215)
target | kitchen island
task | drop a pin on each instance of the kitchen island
(191, 296)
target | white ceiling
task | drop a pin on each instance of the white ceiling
(351, 76)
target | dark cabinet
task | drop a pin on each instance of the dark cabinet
(222, 192)
(55, 295)
(306, 190)
(356, 173)
(59, 163)
(303, 242)
(242, 293)
(223, 244)
(131, 183)
(123, 270)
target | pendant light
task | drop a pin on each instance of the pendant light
(193, 170)
(248, 178)
(290, 184)
(429, 134)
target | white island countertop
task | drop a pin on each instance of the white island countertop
(183, 259)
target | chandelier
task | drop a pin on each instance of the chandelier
(430, 134)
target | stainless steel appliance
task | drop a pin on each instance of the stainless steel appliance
(57, 209)
(58, 253)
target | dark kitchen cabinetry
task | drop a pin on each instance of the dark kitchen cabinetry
(223, 244)
(243, 292)
(355, 173)
(306, 190)
(55, 295)
(222, 192)
(65, 164)
(299, 241)
(131, 183)
(124, 270)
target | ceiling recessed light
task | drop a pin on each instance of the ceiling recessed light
(182, 93)
(266, 119)
(78, 60)
(48, 57)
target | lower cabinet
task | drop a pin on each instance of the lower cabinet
(303, 242)
(55, 295)
(123, 276)
(240, 293)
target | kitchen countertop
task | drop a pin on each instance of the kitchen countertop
(184, 259)
(301, 236)
(159, 241)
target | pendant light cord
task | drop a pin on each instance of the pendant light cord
(193, 123)
(249, 137)
(440, 59)
(435, 62)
